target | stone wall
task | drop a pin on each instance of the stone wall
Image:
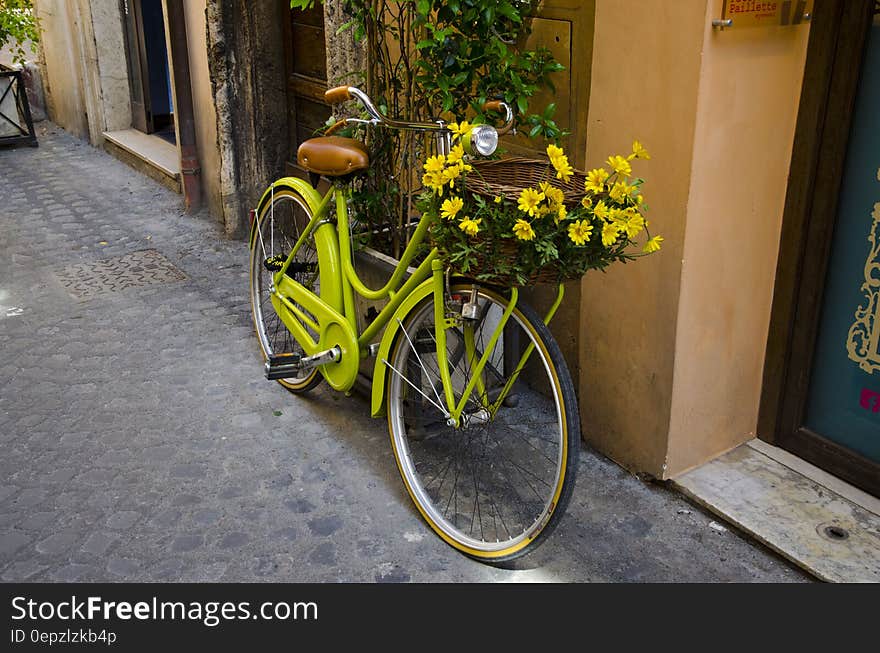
(346, 59)
(246, 63)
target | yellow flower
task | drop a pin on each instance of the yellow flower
(630, 222)
(455, 156)
(639, 199)
(619, 192)
(451, 207)
(602, 211)
(633, 225)
(529, 200)
(620, 165)
(434, 181)
(450, 175)
(596, 180)
(460, 128)
(523, 230)
(554, 152)
(564, 171)
(561, 212)
(498, 199)
(639, 152)
(470, 227)
(554, 195)
(652, 245)
(560, 162)
(580, 231)
(435, 163)
(587, 202)
(618, 215)
(609, 233)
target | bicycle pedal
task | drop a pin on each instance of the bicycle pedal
(283, 366)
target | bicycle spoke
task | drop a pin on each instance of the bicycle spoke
(431, 401)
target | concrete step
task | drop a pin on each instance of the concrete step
(826, 526)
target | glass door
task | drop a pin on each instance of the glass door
(843, 405)
(821, 392)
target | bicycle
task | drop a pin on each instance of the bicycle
(480, 405)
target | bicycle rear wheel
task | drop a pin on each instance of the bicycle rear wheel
(280, 220)
(495, 487)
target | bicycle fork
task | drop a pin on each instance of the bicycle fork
(470, 314)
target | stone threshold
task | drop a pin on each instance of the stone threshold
(151, 155)
(824, 525)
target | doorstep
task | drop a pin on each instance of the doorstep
(151, 155)
(822, 524)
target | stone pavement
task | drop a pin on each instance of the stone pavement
(139, 440)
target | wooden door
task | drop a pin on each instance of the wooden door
(565, 27)
(306, 74)
(139, 87)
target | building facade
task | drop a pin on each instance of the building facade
(758, 317)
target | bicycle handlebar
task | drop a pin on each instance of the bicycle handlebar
(499, 105)
(341, 94)
(337, 95)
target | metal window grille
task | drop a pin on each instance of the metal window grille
(16, 124)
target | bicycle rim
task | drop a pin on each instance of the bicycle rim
(280, 222)
(494, 487)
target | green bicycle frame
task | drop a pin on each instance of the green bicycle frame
(335, 316)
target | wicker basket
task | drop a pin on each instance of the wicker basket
(508, 178)
(510, 249)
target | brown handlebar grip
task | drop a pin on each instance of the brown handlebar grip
(493, 105)
(335, 127)
(337, 95)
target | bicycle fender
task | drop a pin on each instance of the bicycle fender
(301, 186)
(326, 242)
(424, 289)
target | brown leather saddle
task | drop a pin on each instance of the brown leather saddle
(333, 156)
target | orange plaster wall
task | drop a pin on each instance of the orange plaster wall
(750, 84)
(645, 74)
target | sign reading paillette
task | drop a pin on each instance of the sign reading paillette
(756, 13)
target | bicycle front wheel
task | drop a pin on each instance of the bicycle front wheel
(279, 221)
(497, 485)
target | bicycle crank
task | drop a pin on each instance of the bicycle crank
(286, 366)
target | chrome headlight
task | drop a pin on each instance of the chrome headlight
(482, 140)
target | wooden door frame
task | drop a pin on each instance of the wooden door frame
(834, 54)
(135, 53)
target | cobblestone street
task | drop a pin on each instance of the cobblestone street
(140, 440)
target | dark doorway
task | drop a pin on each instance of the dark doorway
(149, 76)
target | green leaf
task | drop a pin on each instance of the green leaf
(506, 10)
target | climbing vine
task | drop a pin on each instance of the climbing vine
(429, 59)
(18, 24)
